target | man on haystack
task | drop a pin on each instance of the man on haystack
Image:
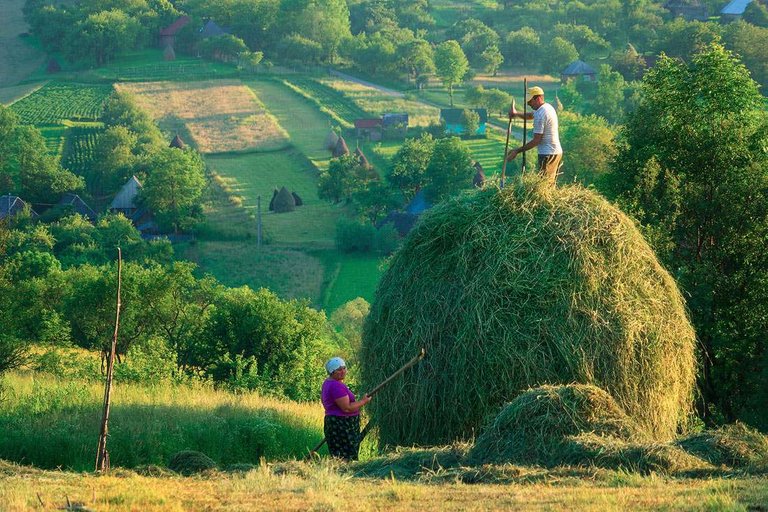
(546, 136)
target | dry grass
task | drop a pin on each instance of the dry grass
(378, 102)
(322, 487)
(222, 116)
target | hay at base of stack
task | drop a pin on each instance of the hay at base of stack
(284, 201)
(297, 199)
(509, 290)
(734, 445)
(272, 201)
(535, 426)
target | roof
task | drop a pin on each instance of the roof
(173, 28)
(367, 123)
(211, 29)
(579, 67)
(12, 205)
(453, 115)
(735, 7)
(75, 202)
(418, 204)
(126, 198)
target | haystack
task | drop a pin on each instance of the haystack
(297, 199)
(512, 289)
(341, 148)
(272, 201)
(169, 53)
(734, 445)
(284, 201)
(189, 462)
(535, 426)
(331, 140)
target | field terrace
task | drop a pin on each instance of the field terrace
(220, 116)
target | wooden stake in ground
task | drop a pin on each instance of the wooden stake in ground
(506, 146)
(525, 121)
(102, 456)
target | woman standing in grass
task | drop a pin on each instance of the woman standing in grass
(342, 412)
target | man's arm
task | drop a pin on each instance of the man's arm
(535, 141)
(520, 115)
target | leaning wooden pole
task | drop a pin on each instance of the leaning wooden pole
(525, 121)
(506, 147)
(102, 456)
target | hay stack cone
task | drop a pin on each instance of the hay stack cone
(513, 289)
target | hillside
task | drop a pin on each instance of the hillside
(17, 58)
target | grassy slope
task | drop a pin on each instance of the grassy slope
(18, 59)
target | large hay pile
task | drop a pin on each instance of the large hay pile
(514, 289)
(536, 426)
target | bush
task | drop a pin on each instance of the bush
(356, 236)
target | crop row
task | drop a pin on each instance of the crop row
(56, 102)
(78, 150)
(331, 99)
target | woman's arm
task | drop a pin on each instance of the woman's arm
(345, 405)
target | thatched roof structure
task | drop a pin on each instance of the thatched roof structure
(361, 157)
(77, 205)
(12, 205)
(284, 201)
(125, 200)
(177, 142)
(341, 148)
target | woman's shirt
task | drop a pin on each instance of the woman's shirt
(333, 389)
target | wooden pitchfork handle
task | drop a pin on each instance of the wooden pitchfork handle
(506, 147)
(375, 390)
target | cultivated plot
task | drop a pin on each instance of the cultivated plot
(60, 101)
(377, 102)
(221, 116)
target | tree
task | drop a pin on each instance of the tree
(41, 177)
(756, 14)
(173, 187)
(491, 59)
(587, 43)
(451, 64)
(297, 48)
(609, 102)
(113, 160)
(410, 164)
(101, 35)
(324, 21)
(226, 48)
(344, 177)
(497, 100)
(375, 201)
(471, 121)
(751, 43)
(589, 143)
(475, 37)
(418, 58)
(522, 47)
(450, 169)
(695, 175)
(629, 63)
(559, 55)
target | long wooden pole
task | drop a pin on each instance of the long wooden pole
(506, 147)
(102, 455)
(525, 121)
(375, 390)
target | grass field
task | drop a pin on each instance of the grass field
(350, 276)
(221, 116)
(149, 65)
(309, 226)
(18, 58)
(376, 102)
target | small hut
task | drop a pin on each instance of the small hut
(125, 200)
(368, 129)
(10, 206)
(689, 9)
(578, 69)
(53, 66)
(331, 140)
(74, 203)
(395, 125)
(284, 201)
(479, 179)
(169, 54)
(177, 142)
(341, 148)
(361, 158)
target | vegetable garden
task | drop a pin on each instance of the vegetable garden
(58, 101)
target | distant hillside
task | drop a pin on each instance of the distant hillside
(17, 59)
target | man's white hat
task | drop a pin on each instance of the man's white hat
(334, 364)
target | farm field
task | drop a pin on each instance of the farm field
(350, 276)
(220, 116)
(376, 102)
(60, 101)
(344, 108)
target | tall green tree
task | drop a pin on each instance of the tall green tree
(450, 169)
(410, 164)
(451, 64)
(175, 181)
(693, 168)
(609, 102)
(344, 177)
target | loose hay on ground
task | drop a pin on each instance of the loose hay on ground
(190, 462)
(513, 289)
(734, 445)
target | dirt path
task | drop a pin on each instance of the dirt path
(17, 58)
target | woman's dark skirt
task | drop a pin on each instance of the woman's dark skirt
(343, 436)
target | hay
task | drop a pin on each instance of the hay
(410, 463)
(735, 445)
(514, 289)
(534, 428)
(612, 453)
(284, 202)
(189, 462)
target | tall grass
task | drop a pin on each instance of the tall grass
(51, 423)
